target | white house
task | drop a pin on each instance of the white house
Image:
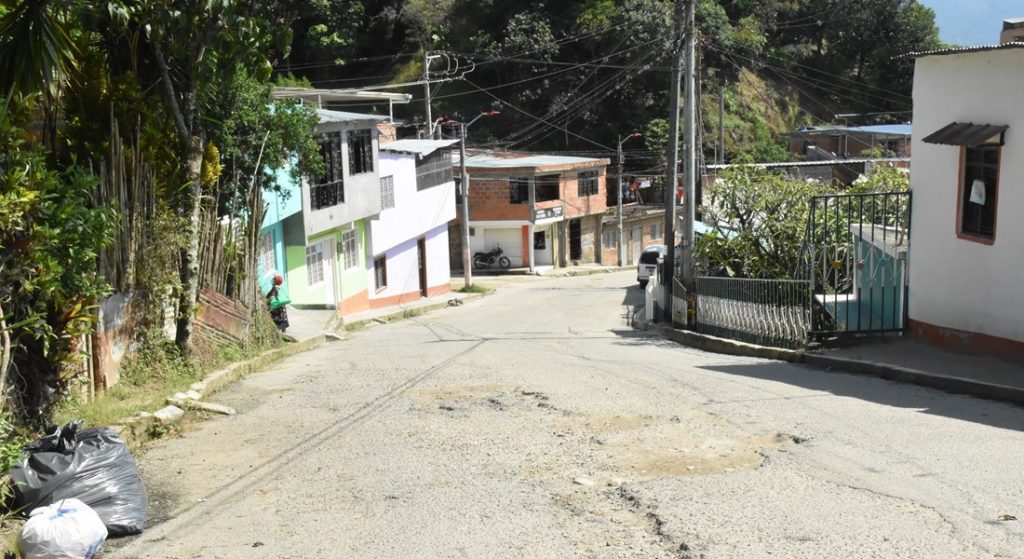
(967, 256)
(409, 252)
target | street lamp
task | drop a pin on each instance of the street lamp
(621, 248)
(467, 264)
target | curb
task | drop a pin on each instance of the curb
(589, 271)
(829, 363)
(953, 385)
(399, 315)
(144, 427)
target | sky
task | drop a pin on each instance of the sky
(973, 22)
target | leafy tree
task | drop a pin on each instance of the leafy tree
(758, 219)
(50, 236)
(196, 45)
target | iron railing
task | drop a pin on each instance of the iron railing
(856, 255)
(327, 195)
(761, 311)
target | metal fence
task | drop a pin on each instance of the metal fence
(857, 246)
(761, 311)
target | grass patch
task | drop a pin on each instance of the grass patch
(474, 288)
(156, 370)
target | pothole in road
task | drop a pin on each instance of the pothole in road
(470, 398)
(647, 447)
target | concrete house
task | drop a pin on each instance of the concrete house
(542, 210)
(409, 238)
(968, 165)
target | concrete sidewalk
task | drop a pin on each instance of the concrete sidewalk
(897, 359)
(405, 310)
(928, 365)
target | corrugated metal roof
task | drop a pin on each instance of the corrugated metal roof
(420, 148)
(489, 161)
(965, 134)
(328, 116)
(822, 163)
(895, 129)
(961, 50)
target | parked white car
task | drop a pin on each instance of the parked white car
(648, 263)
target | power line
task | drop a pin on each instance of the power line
(566, 130)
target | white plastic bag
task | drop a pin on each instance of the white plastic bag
(67, 529)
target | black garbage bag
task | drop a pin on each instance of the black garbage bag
(91, 465)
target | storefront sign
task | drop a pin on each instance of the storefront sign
(547, 213)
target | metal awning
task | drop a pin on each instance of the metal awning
(966, 134)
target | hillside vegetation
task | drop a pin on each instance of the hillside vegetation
(576, 75)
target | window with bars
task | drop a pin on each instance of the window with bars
(360, 152)
(329, 189)
(978, 192)
(349, 249)
(655, 231)
(266, 253)
(380, 272)
(434, 169)
(314, 264)
(387, 192)
(587, 183)
(519, 190)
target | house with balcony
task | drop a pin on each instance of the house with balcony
(967, 243)
(408, 239)
(315, 233)
(543, 211)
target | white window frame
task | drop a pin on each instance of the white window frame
(655, 230)
(387, 192)
(314, 264)
(609, 238)
(349, 249)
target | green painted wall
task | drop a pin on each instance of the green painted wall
(352, 280)
(299, 290)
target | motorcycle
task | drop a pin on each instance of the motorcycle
(490, 258)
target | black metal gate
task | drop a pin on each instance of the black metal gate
(575, 240)
(857, 247)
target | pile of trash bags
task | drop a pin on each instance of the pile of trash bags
(78, 486)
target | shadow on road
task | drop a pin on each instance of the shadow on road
(885, 392)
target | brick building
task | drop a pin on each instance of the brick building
(542, 210)
(642, 226)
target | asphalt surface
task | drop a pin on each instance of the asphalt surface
(536, 423)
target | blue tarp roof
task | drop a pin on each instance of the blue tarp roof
(896, 129)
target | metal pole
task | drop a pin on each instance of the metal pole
(672, 176)
(690, 162)
(621, 252)
(426, 90)
(467, 264)
(721, 124)
(533, 217)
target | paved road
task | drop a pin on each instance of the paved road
(537, 423)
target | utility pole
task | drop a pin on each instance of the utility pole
(690, 166)
(467, 264)
(672, 175)
(618, 208)
(622, 243)
(427, 57)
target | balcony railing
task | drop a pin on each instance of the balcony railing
(327, 195)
